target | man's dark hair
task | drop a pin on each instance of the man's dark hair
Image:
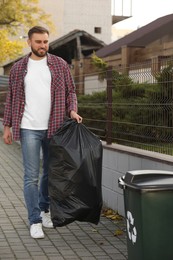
(37, 29)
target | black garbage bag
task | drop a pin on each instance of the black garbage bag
(75, 172)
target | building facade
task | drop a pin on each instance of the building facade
(92, 16)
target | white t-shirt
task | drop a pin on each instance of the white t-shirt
(37, 95)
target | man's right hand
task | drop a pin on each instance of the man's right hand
(7, 136)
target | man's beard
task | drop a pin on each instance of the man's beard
(38, 54)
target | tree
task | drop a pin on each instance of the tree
(9, 49)
(16, 16)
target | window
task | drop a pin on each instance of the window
(97, 29)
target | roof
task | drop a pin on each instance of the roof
(75, 44)
(140, 37)
(73, 35)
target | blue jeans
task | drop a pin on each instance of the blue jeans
(35, 193)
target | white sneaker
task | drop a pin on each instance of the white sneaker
(46, 219)
(36, 231)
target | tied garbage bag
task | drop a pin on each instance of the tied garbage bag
(75, 171)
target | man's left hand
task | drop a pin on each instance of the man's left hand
(75, 116)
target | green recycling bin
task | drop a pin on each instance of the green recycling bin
(148, 202)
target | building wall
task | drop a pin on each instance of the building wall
(96, 85)
(56, 10)
(80, 14)
(131, 55)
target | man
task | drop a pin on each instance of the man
(41, 93)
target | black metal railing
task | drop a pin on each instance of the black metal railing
(135, 109)
(132, 106)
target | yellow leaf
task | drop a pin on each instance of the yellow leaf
(118, 233)
(107, 212)
(110, 216)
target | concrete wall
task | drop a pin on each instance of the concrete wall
(117, 160)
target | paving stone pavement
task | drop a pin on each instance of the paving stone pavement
(75, 241)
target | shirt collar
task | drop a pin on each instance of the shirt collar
(49, 58)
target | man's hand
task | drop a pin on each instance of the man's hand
(75, 116)
(7, 136)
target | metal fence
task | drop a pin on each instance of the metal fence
(130, 106)
(3, 91)
(135, 109)
(3, 82)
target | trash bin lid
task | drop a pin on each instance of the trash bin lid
(148, 180)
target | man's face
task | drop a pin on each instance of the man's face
(39, 43)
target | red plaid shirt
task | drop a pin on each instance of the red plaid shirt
(63, 96)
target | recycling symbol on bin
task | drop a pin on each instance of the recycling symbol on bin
(131, 229)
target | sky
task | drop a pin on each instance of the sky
(143, 12)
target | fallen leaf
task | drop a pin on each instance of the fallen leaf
(94, 230)
(118, 233)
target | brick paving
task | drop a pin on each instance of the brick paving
(75, 241)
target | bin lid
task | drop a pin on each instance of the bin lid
(149, 180)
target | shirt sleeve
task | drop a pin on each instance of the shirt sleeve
(7, 120)
(71, 98)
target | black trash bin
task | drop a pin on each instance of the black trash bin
(148, 201)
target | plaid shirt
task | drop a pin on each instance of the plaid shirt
(63, 96)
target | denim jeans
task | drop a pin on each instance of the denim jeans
(35, 188)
